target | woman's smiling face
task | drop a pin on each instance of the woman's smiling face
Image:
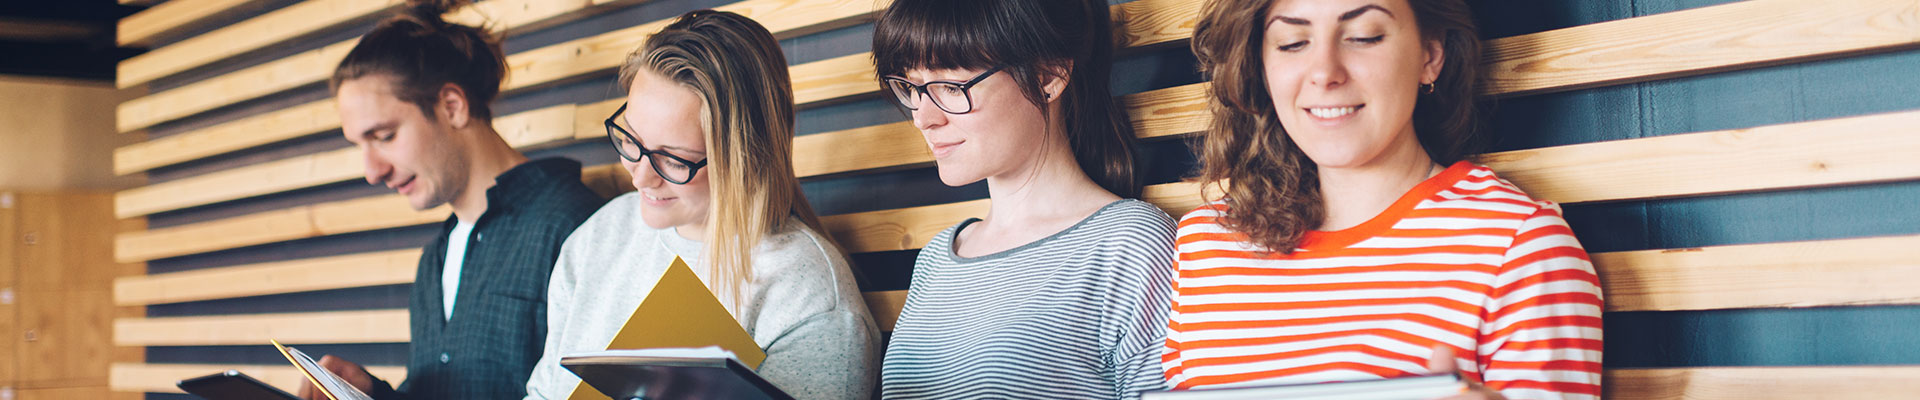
(1344, 75)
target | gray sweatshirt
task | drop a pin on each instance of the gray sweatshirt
(803, 309)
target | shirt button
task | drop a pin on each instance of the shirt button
(444, 358)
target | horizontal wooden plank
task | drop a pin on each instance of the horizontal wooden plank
(316, 66)
(606, 51)
(161, 378)
(139, 29)
(589, 121)
(368, 326)
(522, 130)
(1742, 34)
(898, 229)
(1743, 383)
(332, 218)
(306, 275)
(244, 133)
(885, 306)
(1158, 113)
(264, 178)
(603, 52)
(1136, 24)
(258, 32)
(833, 79)
(895, 145)
(1879, 270)
(249, 83)
(1146, 23)
(301, 222)
(1854, 150)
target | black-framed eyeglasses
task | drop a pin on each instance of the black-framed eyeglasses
(672, 168)
(952, 97)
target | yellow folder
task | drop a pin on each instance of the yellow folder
(680, 312)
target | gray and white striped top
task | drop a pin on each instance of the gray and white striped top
(1080, 314)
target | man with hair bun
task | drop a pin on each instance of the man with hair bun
(414, 97)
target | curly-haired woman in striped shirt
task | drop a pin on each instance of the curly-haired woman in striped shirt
(1351, 242)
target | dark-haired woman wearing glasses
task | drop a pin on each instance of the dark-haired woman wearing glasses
(708, 137)
(1061, 291)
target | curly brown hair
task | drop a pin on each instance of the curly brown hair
(1274, 191)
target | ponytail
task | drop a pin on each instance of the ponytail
(421, 52)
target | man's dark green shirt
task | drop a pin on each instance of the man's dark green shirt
(499, 324)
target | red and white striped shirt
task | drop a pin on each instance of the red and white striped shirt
(1465, 259)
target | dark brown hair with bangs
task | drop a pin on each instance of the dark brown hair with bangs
(1271, 187)
(1028, 38)
(422, 52)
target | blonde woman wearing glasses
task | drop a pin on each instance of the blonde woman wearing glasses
(710, 153)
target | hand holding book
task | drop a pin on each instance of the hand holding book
(1445, 361)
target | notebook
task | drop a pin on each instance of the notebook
(679, 312)
(672, 373)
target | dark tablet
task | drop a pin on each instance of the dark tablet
(233, 385)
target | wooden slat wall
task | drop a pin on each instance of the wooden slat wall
(1734, 36)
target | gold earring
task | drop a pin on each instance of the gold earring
(1426, 88)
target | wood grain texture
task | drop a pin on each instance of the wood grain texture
(254, 180)
(1137, 24)
(1148, 23)
(885, 306)
(865, 149)
(898, 229)
(833, 80)
(316, 66)
(139, 29)
(1854, 150)
(1744, 34)
(293, 276)
(244, 133)
(1155, 114)
(253, 34)
(1742, 383)
(368, 326)
(526, 129)
(259, 80)
(1795, 274)
(160, 378)
(572, 59)
(301, 222)
(322, 219)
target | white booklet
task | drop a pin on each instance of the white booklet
(332, 385)
(1423, 387)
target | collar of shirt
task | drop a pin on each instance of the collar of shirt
(529, 179)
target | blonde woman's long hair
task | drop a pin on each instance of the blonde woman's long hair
(735, 65)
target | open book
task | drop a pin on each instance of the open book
(679, 312)
(1423, 387)
(332, 385)
(671, 373)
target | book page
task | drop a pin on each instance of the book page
(335, 388)
(709, 352)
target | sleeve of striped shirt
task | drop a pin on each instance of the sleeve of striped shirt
(1137, 306)
(1543, 333)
